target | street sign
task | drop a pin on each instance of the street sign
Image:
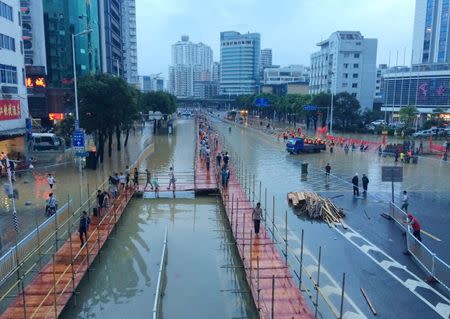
(392, 174)
(262, 102)
(310, 107)
(78, 139)
(81, 154)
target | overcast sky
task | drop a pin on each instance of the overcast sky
(291, 28)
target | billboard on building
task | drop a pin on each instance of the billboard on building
(9, 110)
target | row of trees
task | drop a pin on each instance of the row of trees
(347, 113)
(109, 106)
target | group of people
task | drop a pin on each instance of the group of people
(355, 182)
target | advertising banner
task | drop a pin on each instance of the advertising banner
(9, 110)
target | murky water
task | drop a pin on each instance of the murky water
(70, 184)
(203, 275)
(280, 173)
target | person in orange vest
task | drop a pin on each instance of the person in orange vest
(414, 223)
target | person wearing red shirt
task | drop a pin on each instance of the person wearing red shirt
(411, 220)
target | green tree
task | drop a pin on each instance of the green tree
(107, 104)
(158, 101)
(408, 114)
(346, 112)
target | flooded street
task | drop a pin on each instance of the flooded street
(201, 261)
(33, 188)
(279, 172)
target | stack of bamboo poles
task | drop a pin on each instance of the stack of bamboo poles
(317, 207)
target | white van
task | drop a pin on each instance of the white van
(45, 141)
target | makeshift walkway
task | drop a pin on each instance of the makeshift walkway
(50, 291)
(275, 293)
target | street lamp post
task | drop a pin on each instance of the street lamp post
(77, 119)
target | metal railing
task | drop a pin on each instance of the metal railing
(433, 265)
(83, 258)
(161, 280)
(309, 281)
(31, 243)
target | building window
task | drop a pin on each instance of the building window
(7, 43)
(356, 55)
(354, 94)
(344, 85)
(8, 74)
(355, 75)
(345, 65)
(356, 65)
(345, 75)
(358, 43)
(354, 85)
(6, 11)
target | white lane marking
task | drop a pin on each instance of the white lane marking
(411, 284)
(354, 312)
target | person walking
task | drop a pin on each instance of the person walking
(106, 201)
(136, 178)
(52, 205)
(226, 158)
(172, 179)
(148, 176)
(257, 216)
(122, 181)
(405, 201)
(365, 183)
(414, 223)
(100, 199)
(208, 162)
(127, 175)
(327, 170)
(84, 226)
(50, 180)
(224, 176)
(218, 159)
(355, 182)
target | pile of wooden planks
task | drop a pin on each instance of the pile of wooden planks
(316, 207)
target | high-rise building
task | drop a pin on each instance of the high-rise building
(216, 72)
(346, 62)
(181, 80)
(129, 41)
(191, 62)
(61, 20)
(151, 83)
(431, 41)
(13, 101)
(33, 35)
(239, 62)
(111, 36)
(266, 58)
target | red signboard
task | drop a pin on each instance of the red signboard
(56, 116)
(9, 110)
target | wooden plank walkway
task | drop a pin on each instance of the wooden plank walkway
(50, 291)
(260, 257)
(205, 180)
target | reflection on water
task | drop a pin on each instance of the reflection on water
(199, 283)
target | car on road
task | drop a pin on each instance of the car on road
(297, 145)
(378, 122)
(425, 133)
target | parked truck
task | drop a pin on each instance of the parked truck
(297, 145)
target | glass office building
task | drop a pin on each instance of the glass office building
(425, 86)
(62, 19)
(239, 61)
